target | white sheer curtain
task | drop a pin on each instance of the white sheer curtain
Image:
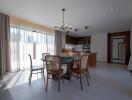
(58, 42)
(25, 41)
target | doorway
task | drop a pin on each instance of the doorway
(119, 47)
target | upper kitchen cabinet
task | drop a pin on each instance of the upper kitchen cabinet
(78, 40)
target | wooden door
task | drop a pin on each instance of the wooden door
(126, 44)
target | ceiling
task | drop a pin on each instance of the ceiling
(102, 16)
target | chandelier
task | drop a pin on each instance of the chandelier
(64, 27)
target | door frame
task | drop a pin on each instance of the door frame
(109, 46)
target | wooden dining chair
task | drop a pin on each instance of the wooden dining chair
(54, 69)
(35, 69)
(81, 69)
(44, 55)
(43, 58)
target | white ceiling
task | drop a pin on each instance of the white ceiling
(102, 16)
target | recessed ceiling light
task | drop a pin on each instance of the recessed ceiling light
(86, 27)
(76, 30)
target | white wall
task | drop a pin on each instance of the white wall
(99, 45)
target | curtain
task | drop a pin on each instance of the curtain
(58, 42)
(4, 44)
(130, 61)
(26, 41)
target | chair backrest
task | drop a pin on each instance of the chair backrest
(44, 55)
(84, 62)
(53, 62)
(31, 64)
(70, 53)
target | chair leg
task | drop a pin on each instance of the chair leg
(46, 84)
(30, 78)
(88, 74)
(59, 84)
(87, 78)
(70, 75)
(43, 75)
(81, 82)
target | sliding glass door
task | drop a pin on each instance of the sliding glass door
(25, 41)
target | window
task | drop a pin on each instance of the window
(24, 41)
(70, 46)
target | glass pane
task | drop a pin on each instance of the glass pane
(24, 42)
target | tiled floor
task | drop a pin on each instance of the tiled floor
(108, 82)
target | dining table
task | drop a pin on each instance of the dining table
(69, 62)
